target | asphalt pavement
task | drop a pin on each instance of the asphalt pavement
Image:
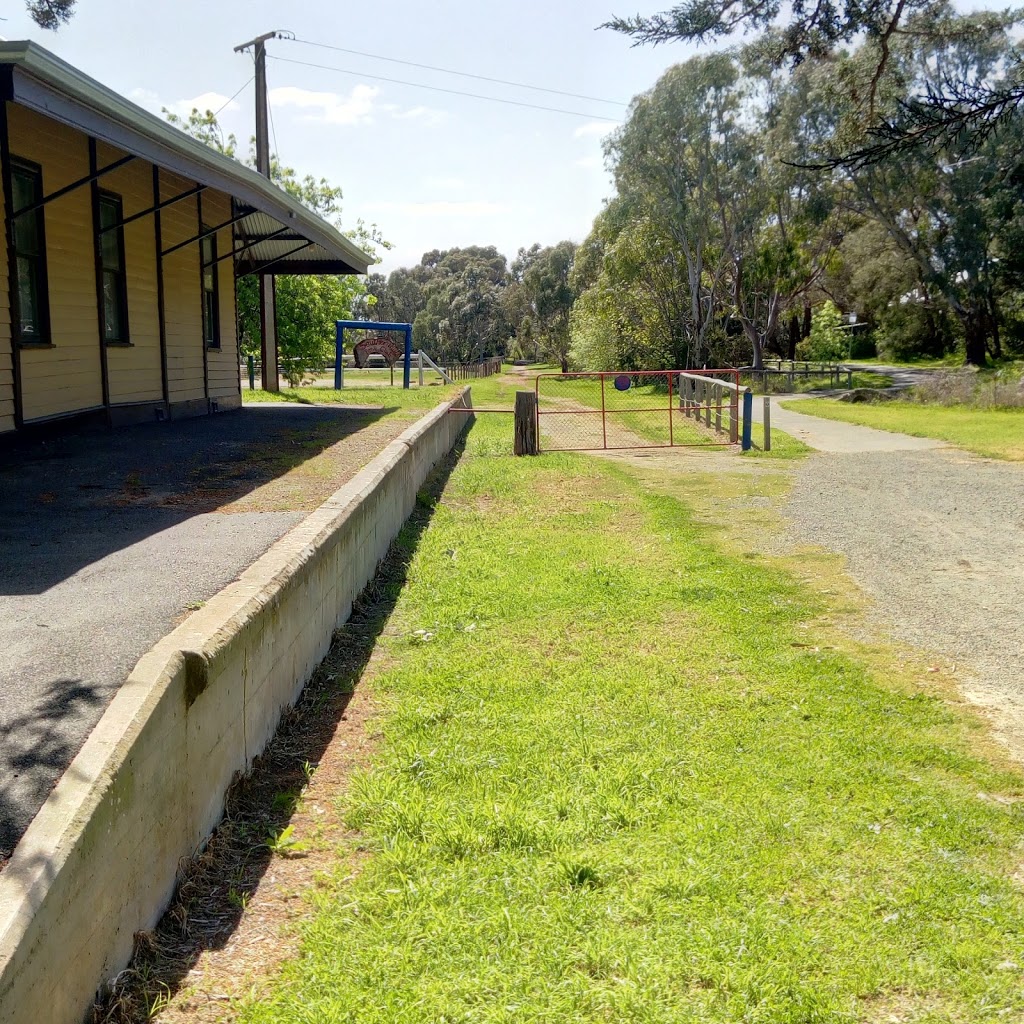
(106, 539)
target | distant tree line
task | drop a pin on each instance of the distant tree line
(468, 304)
(738, 208)
(756, 205)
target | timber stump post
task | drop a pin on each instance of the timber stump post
(526, 423)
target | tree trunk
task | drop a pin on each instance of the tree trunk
(997, 347)
(975, 336)
(805, 331)
(794, 336)
(756, 345)
(565, 365)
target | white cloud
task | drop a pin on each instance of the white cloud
(441, 208)
(203, 102)
(594, 129)
(145, 98)
(590, 163)
(215, 101)
(329, 107)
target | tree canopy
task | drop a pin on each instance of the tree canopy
(307, 305)
(50, 14)
(959, 107)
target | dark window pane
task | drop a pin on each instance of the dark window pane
(24, 189)
(27, 188)
(113, 326)
(28, 299)
(26, 234)
(109, 213)
(110, 250)
(209, 318)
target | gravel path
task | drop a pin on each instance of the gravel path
(936, 537)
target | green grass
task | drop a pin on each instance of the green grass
(784, 446)
(622, 777)
(391, 398)
(801, 385)
(947, 362)
(996, 433)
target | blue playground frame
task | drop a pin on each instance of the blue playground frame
(370, 325)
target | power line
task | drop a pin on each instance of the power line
(273, 130)
(226, 102)
(461, 74)
(451, 92)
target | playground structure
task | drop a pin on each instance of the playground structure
(378, 345)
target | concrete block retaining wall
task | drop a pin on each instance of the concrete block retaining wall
(98, 863)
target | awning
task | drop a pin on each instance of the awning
(274, 233)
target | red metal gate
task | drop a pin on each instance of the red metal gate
(641, 409)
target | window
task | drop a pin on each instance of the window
(31, 321)
(115, 284)
(211, 304)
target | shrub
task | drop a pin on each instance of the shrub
(828, 341)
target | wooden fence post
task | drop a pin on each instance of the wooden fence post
(526, 423)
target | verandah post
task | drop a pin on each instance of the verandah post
(339, 350)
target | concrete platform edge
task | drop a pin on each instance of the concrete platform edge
(100, 860)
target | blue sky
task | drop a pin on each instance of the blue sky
(433, 170)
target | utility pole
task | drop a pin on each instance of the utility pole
(268, 294)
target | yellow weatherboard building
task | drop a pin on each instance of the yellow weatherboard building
(124, 237)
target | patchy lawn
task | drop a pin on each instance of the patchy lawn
(392, 400)
(778, 386)
(623, 775)
(995, 433)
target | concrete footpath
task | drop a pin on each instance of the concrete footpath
(834, 435)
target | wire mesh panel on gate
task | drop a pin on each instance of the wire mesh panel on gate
(639, 409)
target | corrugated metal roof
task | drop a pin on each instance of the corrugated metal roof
(304, 242)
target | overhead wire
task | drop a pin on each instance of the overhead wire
(450, 92)
(232, 98)
(461, 74)
(273, 130)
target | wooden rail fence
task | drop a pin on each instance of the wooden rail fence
(473, 371)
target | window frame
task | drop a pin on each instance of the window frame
(112, 198)
(213, 341)
(43, 338)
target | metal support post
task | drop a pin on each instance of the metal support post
(748, 415)
(339, 357)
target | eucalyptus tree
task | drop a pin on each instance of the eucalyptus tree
(633, 295)
(956, 219)
(670, 161)
(958, 108)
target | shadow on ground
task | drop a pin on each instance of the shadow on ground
(68, 500)
(36, 749)
(209, 901)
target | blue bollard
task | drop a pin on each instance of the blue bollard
(748, 416)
